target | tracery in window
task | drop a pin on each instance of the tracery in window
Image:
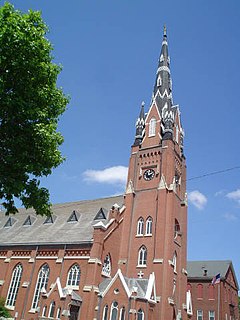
(42, 282)
(140, 314)
(140, 226)
(105, 312)
(107, 267)
(142, 256)
(52, 309)
(149, 226)
(152, 127)
(14, 286)
(74, 276)
(114, 311)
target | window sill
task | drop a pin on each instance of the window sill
(141, 266)
(73, 287)
(148, 235)
(10, 307)
(139, 235)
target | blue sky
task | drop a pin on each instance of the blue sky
(109, 51)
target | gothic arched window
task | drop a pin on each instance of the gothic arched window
(122, 313)
(14, 286)
(140, 226)
(148, 226)
(140, 314)
(176, 228)
(44, 311)
(105, 312)
(42, 282)
(52, 309)
(74, 276)
(114, 311)
(142, 256)
(107, 267)
(58, 316)
(174, 262)
(152, 127)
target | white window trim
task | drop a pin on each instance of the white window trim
(112, 308)
(152, 127)
(149, 224)
(40, 284)
(75, 272)
(140, 227)
(142, 262)
(14, 286)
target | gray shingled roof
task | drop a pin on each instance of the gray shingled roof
(60, 231)
(137, 285)
(196, 269)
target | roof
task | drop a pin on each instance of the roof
(196, 269)
(60, 230)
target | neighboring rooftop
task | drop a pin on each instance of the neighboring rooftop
(70, 223)
(209, 269)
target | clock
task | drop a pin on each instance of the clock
(149, 174)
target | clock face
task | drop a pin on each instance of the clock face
(149, 174)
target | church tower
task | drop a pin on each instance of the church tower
(154, 235)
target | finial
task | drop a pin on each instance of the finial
(164, 30)
(143, 103)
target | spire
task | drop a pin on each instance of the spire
(140, 126)
(163, 85)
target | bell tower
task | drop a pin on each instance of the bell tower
(155, 222)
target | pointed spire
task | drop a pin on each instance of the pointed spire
(163, 85)
(140, 126)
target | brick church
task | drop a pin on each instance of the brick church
(123, 257)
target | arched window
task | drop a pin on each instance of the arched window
(211, 292)
(58, 316)
(73, 278)
(122, 313)
(14, 286)
(107, 267)
(44, 311)
(52, 309)
(140, 225)
(114, 311)
(159, 81)
(148, 226)
(174, 261)
(199, 291)
(42, 282)
(176, 228)
(140, 314)
(152, 127)
(142, 256)
(105, 312)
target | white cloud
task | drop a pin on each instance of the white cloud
(197, 199)
(234, 195)
(230, 216)
(112, 175)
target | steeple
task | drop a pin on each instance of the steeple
(162, 91)
(140, 127)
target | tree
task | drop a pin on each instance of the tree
(30, 106)
(4, 313)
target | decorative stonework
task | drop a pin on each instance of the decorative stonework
(47, 253)
(21, 253)
(77, 253)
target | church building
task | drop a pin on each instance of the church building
(116, 258)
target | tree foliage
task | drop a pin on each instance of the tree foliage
(30, 106)
(4, 313)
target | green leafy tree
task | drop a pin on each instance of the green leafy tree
(30, 106)
(4, 313)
